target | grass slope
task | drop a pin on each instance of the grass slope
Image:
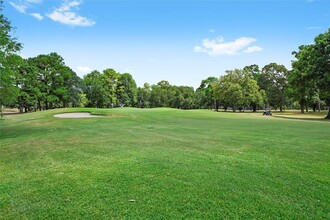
(163, 164)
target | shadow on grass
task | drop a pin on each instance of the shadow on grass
(301, 118)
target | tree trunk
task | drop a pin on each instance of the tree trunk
(20, 106)
(314, 107)
(46, 102)
(328, 116)
(319, 106)
(306, 108)
(302, 108)
(281, 108)
(216, 107)
(39, 105)
(254, 107)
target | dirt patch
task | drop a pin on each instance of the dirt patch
(76, 115)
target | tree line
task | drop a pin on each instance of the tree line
(46, 82)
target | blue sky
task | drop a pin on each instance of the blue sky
(182, 41)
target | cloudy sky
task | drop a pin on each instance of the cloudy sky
(182, 41)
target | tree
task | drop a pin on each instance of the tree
(205, 94)
(8, 47)
(298, 82)
(127, 90)
(160, 94)
(238, 89)
(110, 80)
(313, 65)
(94, 89)
(273, 81)
(57, 82)
(144, 95)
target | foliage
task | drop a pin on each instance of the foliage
(238, 89)
(58, 84)
(205, 95)
(8, 47)
(311, 69)
(273, 81)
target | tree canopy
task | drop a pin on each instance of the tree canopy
(8, 47)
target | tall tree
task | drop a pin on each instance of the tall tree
(313, 65)
(56, 80)
(144, 95)
(110, 80)
(95, 91)
(8, 47)
(127, 90)
(205, 94)
(273, 81)
(160, 94)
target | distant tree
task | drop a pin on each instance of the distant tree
(160, 94)
(144, 95)
(205, 94)
(298, 84)
(254, 70)
(273, 81)
(127, 90)
(188, 94)
(27, 84)
(56, 80)
(110, 80)
(238, 89)
(95, 91)
(181, 97)
(8, 47)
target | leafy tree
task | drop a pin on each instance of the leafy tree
(94, 89)
(188, 95)
(255, 73)
(144, 95)
(205, 94)
(254, 70)
(313, 65)
(111, 83)
(8, 47)
(298, 84)
(238, 89)
(160, 94)
(27, 83)
(57, 81)
(273, 81)
(127, 90)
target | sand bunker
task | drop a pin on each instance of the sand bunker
(76, 115)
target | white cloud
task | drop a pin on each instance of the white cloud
(252, 49)
(19, 7)
(67, 16)
(218, 46)
(37, 16)
(84, 69)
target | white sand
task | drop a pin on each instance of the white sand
(76, 115)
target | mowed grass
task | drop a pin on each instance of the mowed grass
(163, 164)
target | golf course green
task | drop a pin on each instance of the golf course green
(163, 164)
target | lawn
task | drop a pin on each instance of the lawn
(163, 164)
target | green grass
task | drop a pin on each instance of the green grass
(163, 164)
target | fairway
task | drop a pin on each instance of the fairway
(163, 164)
